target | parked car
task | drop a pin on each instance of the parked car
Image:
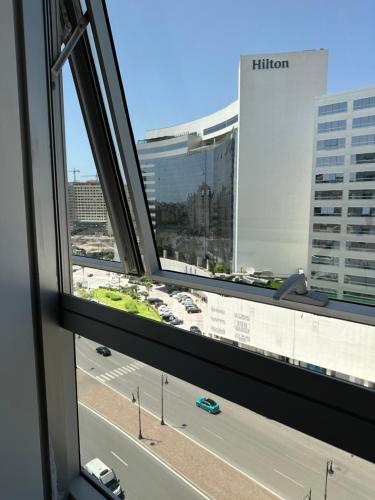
(176, 321)
(155, 301)
(207, 404)
(104, 351)
(195, 329)
(194, 309)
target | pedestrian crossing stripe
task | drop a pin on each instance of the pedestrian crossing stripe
(118, 372)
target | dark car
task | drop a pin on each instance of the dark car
(104, 351)
(193, 309)
(195, 329)
(176, 321)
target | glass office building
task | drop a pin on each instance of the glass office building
(189, 187)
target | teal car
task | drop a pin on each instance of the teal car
(207, 404)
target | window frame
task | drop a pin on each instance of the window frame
(312, 403)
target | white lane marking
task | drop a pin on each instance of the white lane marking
(219, 457)
(140, 445)
(130, 368)
(138, 363)
(99, 378)
(149, 395)
(118, 371)
(134, 366)
(112, 372)
(213, 433)
(290, 479)
(119, 458)
(125, 370)
(89, 359)
(105, 377)
(109, 375)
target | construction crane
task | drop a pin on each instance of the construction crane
(75, 171)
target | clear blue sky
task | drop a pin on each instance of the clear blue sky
(179, 60)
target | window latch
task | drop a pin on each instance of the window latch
(295, 290)
(70, 44)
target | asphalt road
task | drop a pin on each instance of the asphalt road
(285, 461)
(131, 463)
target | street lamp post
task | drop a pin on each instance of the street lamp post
(329, 471)
(139, 415)
(162, 400)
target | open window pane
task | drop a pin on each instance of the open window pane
(332, 347)
(234, 189)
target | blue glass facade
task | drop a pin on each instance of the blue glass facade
(192, 203)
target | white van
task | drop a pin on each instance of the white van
(105, 475)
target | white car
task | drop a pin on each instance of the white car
(163, 309)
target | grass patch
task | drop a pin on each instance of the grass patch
(123, 301)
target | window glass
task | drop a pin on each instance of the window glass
(91, 233)
(268, 330)
(207, 445)
(221, 150)
(366, 102)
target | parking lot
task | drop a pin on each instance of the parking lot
(90, 279)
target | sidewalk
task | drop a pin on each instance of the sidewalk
(206, 471)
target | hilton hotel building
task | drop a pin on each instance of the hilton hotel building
(234, 186)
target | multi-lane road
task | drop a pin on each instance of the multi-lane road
(285, 461)
(132, 463)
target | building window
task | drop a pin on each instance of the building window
(361, 194)
(142, 150)
(360, 246)
(221, 125)
(331, 126)
(359, 280)
(328, 195)
(366, 102)
(362, 298)
(362, 176)
(318, 275)
(362, 158)
(328, 161)
(326, 228)
(331, 292)
(360, 263)
(329, 244)
(331, 144)
(329, 178)
(361, 211)
(360, 229)
(330, 109)
(363, 140)
(363, 121)
(327, 211)
(326, 260)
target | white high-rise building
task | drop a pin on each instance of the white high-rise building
(342, 229)
(276, 123)
(232, 188)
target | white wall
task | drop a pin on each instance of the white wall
(333, 344)
(20, 439)
(274, 160)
